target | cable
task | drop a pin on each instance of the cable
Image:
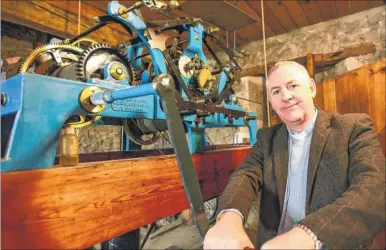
(265, 62)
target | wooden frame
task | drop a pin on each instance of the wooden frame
(76, 207)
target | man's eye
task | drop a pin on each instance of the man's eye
(292, 86)
(275, 92)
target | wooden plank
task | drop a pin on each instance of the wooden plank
(256, 27)
(310, 8)
(374, 3)
(42, 16)
(377, 103)
(76, 207)
(310, 66)
(343, 8)
(358, 6)
(332, 58)
(282, 15)
(296, 13)
(271, 21)
(329, 98)
(321, 61)
(319, 98)
(326, 9)
(244, 6)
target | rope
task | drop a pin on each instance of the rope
(79, 9)
(265, 61)
(226, 33)
(234, 41)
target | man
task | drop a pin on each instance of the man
(322, 176)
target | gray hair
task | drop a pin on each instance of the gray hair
(298, 67)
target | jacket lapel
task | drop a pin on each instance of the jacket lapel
(280, 161)
(319, 138)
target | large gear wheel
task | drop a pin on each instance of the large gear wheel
(48, 60)
(84, 42)
(49, 56)
(102, 62)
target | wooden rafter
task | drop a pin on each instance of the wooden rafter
(59, 21)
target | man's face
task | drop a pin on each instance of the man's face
(291, 94)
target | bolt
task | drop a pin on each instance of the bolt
(3, 99)
(119, 71)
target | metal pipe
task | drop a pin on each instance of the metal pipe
(110, 96)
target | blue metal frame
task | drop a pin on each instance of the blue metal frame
(38, 106)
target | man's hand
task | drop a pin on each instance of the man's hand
(296, 238)
(227, 233)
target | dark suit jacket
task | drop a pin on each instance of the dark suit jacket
(345, 202)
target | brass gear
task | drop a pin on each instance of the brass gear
(84, 121)
(85, 41)
(45, 53)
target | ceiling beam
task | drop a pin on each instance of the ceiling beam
(47, 18)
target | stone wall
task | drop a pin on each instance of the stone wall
(349, 31)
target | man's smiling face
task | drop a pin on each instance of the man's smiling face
(291, 93)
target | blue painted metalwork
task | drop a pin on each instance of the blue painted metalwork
(38, 106)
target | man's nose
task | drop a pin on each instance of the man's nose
(286, 95)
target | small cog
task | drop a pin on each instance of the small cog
(81, 121)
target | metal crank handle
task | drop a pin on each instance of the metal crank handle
(164, 87)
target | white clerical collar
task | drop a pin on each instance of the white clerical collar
(299, 135)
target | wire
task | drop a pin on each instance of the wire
(242, 98)
(207, 136)
(265, 62)
(163, 135)
(79, 13)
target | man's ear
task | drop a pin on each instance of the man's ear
(313, 87)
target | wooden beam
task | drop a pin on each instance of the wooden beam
(321, 61)
(310, 8)
(76, 207)
(327, 9)
(296, 13)
(310, 65)
(43, 16)
(281, 13)
(271, 22)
